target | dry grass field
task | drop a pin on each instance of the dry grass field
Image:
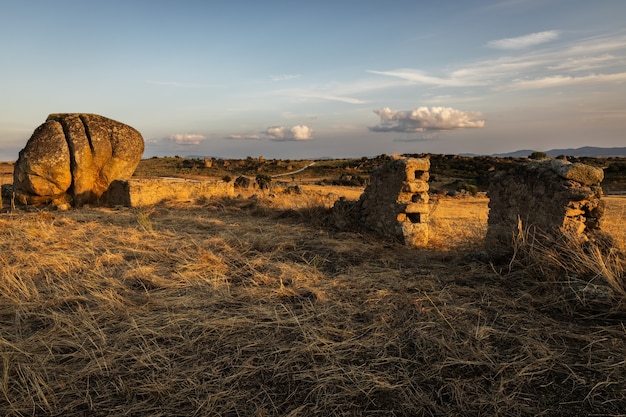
(260, 307)
(6, 173)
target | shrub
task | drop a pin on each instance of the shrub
(470, 188)
(264, 181)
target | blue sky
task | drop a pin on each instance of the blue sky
(305, 79)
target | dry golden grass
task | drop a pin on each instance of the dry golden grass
(458, 223)
(255, 307)
(6, 173)
(614, 221)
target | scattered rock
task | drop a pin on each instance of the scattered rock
(245, 183)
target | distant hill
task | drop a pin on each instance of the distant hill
(590, 151)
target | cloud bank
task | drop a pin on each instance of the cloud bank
(278, 133)
(597, 60)
(525, 41)
(425, 119)
(187, 139)
(562, 81)
(284, 77)
(244, 137)
(420, 77)
(298, 132)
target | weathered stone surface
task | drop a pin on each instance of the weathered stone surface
(413, 166)
(417, 208)
(395, 204)
(416, 186)
(43, 167)
(137, 192)
(75, 157)
(584, 174)
(548, 196)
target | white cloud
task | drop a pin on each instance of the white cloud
(421, 78)
(562, 80)
(187, 139)
(584, 63)
(330, 97)
(278, 133)
(425, 119)
(281, 133)
(244, 137)
(491, 70)
(598, 44)
(564, 64)
(480, 73)
(525, 41)
(344, 92)
(301, 132)
(284, 77)
(318, 94)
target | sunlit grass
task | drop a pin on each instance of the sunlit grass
(459, 223)
(257, 306)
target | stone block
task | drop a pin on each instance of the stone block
(417, 208)
(415, 186)
(412, 165)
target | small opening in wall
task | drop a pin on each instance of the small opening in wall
(414, 217)
(417, 175)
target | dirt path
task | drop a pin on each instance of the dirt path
(293, 172)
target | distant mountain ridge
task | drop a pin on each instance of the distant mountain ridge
(590, 151)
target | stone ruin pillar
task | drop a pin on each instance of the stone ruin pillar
(552, 196)
(395, 204)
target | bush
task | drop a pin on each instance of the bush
(470, 188)
(264, 181)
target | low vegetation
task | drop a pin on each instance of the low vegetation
(259, 306)
(448, 172)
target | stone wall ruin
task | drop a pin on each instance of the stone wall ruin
(149, 191)
(395, 203)
(550, 196)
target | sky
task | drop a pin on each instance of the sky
(311, 79)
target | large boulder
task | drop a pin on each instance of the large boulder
(74, 157)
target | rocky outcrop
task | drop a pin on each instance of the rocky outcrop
(245, 183)
(74, 157)
(395, 204)
(549, 196)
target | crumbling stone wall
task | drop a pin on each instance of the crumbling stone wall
(552, 196)
(395, 203)
(150, 191)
